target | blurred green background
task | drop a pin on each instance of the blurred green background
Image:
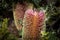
(7, 27)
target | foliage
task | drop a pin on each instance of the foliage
(4, 33)
(50, 36)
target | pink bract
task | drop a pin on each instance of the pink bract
(41, 13)
(29, 11)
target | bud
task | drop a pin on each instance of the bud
(18, 14)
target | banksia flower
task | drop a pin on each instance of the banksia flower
(18, 14)
(33, 24)
(33, 21)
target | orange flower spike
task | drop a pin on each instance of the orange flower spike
(33, 24)
(27, 22)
